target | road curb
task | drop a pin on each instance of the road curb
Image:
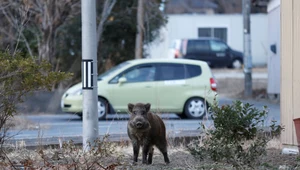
(175, 139)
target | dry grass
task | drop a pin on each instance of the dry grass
(121, 158)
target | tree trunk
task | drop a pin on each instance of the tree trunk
(140, 30)
(46, 46)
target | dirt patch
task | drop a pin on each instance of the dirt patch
(254, 70)
(233, 87)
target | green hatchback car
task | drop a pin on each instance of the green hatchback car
(181, 86)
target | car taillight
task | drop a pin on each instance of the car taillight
(176, 54)
(213, 84)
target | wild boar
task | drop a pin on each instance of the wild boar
(147, 130)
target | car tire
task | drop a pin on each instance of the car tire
(236, 64)
(195, 108)
(102, 108)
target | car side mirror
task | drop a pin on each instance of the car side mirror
(122, 80)
(273, 48)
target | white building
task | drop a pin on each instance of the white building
(228, 27)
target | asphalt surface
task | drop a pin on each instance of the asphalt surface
(50, 129)
(55, 128)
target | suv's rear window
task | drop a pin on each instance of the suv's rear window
(193, 70)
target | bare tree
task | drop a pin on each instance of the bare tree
(140, 30)
(41, 18)
(14, 23)
(107, 8)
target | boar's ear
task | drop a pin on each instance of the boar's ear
(130, 107)
(147, 106)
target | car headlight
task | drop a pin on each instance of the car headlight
(76, 92)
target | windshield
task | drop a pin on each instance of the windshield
(112, 70)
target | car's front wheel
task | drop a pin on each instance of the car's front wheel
(102, 108)
(195, 108)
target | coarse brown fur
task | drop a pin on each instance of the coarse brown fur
(146, 129)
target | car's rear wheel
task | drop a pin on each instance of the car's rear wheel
(102, 108)
(236, 64)
(195, 108)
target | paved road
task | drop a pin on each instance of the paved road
(66, 126)
(50, 128)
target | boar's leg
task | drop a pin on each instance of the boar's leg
(146, 149)
(136, 149)
(150, 155)
(163, 149)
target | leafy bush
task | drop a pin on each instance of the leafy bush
(20, 75)
(239, 135)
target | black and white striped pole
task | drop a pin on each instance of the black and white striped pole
(87, 76)
(90, 130)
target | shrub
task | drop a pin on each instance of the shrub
(20, 75)
(239, 135)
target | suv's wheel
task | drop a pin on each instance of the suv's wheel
(195, 108)
(236, 64)
(102, 108)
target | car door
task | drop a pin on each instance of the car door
(198, 50)
(170, 87)
(220, 53)
(138, 87)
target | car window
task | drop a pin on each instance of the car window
(196, 46)
(112, 70)
(171, 72)
(137, 74)
(218, 46)
(192, 70)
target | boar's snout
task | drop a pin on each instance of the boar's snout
(140, 123)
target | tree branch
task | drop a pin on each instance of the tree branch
(107, 8)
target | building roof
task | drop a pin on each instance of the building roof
(189, 6)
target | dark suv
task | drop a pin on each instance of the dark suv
(212, 50)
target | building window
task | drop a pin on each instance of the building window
(220, 33)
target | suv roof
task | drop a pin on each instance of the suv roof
(202, 38)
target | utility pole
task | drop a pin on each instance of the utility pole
(89, 73)
(140, 30)
(247, 48)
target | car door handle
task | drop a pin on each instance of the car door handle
(148, 86)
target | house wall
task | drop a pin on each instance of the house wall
(290, 79)
(274, 38)
(186, 26)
